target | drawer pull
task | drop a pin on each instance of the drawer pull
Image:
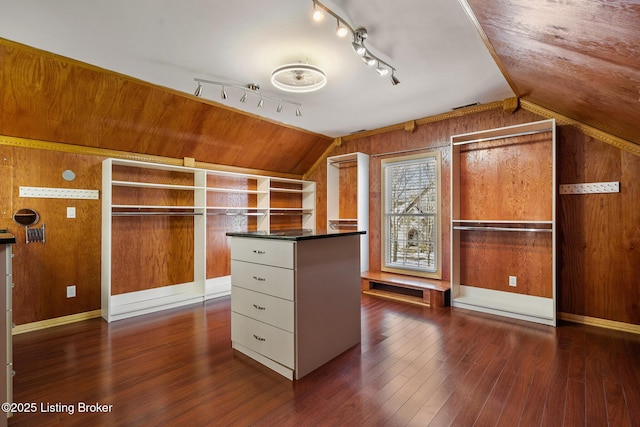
(259, 252)
(259, 338)
(258, 307)
(259, 279)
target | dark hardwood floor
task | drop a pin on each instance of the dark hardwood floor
(415, 366)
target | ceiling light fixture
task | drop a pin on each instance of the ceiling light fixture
(298, 78)
(251, 88)
(382, 70)
(318, 14)
(359, 36)
(394, 79)
(341, 30)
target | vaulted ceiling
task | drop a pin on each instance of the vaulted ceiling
(577, 58)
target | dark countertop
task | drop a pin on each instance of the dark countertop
(294, 235)
(7, 238)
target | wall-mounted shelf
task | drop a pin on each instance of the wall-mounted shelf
(147, 192)
(348, 197)
(503, 224)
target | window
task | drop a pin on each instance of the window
(411, 215)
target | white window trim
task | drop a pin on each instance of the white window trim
(383, 232)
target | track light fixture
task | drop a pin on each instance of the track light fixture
(358, 37)
(251, 88)
(394, 79)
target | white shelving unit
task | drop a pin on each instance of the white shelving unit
(306, 209)
(337, 221)
(253, 201)
(523, 225)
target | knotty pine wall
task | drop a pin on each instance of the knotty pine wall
(599, 234)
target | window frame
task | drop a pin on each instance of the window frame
(384, 235)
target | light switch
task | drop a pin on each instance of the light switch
(71, 212)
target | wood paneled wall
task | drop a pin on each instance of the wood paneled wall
(51, 98)
(71, 254)
(599, 235)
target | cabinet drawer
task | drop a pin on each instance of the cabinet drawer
(263, 251)
(265, 308)
(269, 280)
(267, 340)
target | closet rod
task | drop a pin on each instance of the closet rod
(535, 230)
(333, 162)
(289, 213)
(338, 226)
(155, 214)
(236, 214)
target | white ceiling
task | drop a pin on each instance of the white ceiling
(440, 59)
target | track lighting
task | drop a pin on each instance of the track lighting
(341, 30)
(318, 14)
(369, 60)
(251, 88)
(394, 79)
(359, 35)
(358, 48)
(382, 70)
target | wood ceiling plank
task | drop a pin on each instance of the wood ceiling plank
(576, 58)
(51, 98)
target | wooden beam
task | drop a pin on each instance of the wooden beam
(598, 134)
(104, 152)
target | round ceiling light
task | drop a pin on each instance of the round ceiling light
(298, 78)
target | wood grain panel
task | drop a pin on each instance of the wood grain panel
(598, 245)
(218, 244)
(150, 252)
(348, 201)
(487, 259)
(52, 98)
(575, 58)
(71, 254)
(507, 180)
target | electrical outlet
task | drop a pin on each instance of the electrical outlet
(71, 212)
(513, 281)
(71, 291)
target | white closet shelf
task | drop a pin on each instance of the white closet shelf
(154, 185)
(289, 190)
(235, 190)
(176, 207)
(231, 186)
